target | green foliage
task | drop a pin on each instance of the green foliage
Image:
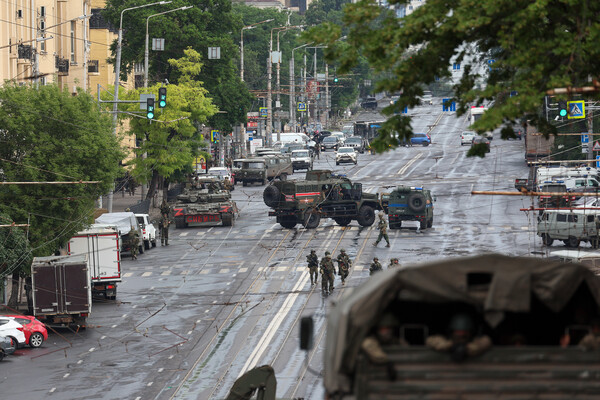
(536, 45)
(49, 135)
(15, 253)
(172, 139)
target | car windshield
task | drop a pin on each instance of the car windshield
(238, 164)
(346, 150)
(331, 139)
(300, 154)
(468, 133)
(419, 135)
(353, 140)
(253, 165)
(221, 172)
(140, 221)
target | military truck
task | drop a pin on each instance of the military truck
(264, 169)
(539, 319)
(204, 202)
(406, 203)
(321, 195)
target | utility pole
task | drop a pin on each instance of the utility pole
(590, 124)
(326, 95)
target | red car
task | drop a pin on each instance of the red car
(35, 331)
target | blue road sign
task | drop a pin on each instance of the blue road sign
(490, 62)
(576, 109)
(214, 136)
(263, 112)
(585, 138)
(447, 105)
(597, 161)
(301, 106)
(405, 110)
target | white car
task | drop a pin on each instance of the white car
(220, 173)
(467, 137)
(345, 155)
(148, 230)
(11, 328)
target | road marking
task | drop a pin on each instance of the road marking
(164, 266)
(524, 228)
(200, 233)
(144, 296)
(281, 269)
(52, 390)
(161, 370)
(147, 273)
(206, 311)
(166, 273)
(184, 233)
(123, 316)
(185, 272)
(127, 275)
(102, 337)
(114, 326)
(189, 333)
(204, 271)
(214, 301)
(149, 384)
(224, 271)
(242, 270)
(92, 349)
(222, 292)
(408, 164)
(80, 361)
(66, 375)
(171, 357)
(198, 321)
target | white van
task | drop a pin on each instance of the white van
(583, 184)
(570, 226)
(589, 258)
(290, 137)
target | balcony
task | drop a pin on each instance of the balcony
(62, 65)
(25, 52)
(93, 67)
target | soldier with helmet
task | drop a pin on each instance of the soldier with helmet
(375, 266)
(344, 265)
(382, 226)
(394, 263)
(313, 265)
(327, 272)
(134, 242)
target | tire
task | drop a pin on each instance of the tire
(36, 340)
(355, 162)
(337, 163)
(1, 354)
(283, 177)
(180, 223)
(547, 239)
(244, 183)
(311, 219)
(422, 224)
(425, 144)
(343, 221)
(417, 202)
(141, 248)
(430, 223)
(227, 219)
(271, 196)
(366, 216)
(572, 242)
(288, 223)
(147, 244)
(154, 242)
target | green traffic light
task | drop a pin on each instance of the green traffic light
(162, 103)
(563, 113)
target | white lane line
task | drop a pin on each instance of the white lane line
(160, 370)
(166, 273)
(102, 337)
(204, 271)
(408, 164)
(114, 326)
(274, 325)
(184, 233)
(242, 270)
(52, 390)
(149, 383)
(281, 269)
(127, 274)
(79, 362)
(66, 375)
(147, 274)
(224, 271)
(92, 349)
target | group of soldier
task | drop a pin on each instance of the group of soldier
(327, 268)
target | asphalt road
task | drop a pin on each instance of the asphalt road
(192, 317)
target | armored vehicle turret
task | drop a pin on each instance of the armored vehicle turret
(204, 202)
(322, 194)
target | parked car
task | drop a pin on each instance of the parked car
(420, 138)
(346, 155)
(302, 159)
(357, 142)
(221, 173)
(148, 230)
(11, 328)
(467, 137)
(370, 103)
(477, 140)
(35, 331)
(340, 135)
(7, 346)
(330, 142)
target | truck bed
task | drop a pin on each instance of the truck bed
(527, 372)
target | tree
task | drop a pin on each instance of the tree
(534, 47)
(172, 140)
(207, 24)
(15, 254)
(50, 135)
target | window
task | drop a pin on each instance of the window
(42, 11)
(561, 218)
(590, 218)
(456, 66)
(572, 218)
(19, 13)
(73, 41)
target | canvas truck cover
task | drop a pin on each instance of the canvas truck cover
(122, 220)
(514, 282)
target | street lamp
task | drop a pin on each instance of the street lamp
(293, 89)
(242, 44)
(146, 50)
(117, 73)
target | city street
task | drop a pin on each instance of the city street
(190, 318)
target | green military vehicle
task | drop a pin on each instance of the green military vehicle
(406, 203)
(265, 168)
(204, 202)
(321, 195)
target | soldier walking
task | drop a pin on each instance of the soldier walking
(375, 266)
(313, 266)
(133, 242)
(164, 230)
(327, 272)
(382, 226)
(165, 209)
(394, 263)
(344, 265)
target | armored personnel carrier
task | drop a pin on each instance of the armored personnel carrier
(409, 204)
(321, 195)
(204, 202)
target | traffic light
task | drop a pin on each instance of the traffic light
(562, 108)
(150, 108)
(335, 79)
(162, 97)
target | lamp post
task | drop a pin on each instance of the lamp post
(293, 89)
(146, 50)
(117, 73)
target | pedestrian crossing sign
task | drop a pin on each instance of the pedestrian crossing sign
(576, 109)
(301, 106)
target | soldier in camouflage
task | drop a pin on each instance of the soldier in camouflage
(375, 266)
(313, 266)
(394, 263)
(382, 226)
(164, 230)
(165, 210)
(327, 272)
(134, 242)
(344, 265)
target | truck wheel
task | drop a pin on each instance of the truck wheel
(366, 216)
(422, 225)
(547, 239)
(416, 202)
(147, 244)
(572, 242)
(154, 242)
(180, 223)
(311, 219)
(227, 219)
(343, 221)
(271, 196)
(288, 223)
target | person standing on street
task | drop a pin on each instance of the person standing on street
(164, 230)
(382, 226)
(375, 266)
(134, 243)
(313, 266)
(344, 265)
(394, 263)
(165, 209)
(327, 272)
